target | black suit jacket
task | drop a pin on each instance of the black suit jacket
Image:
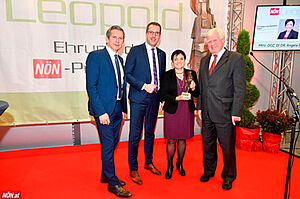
(169, 91)
(293, 35)
(222, 93)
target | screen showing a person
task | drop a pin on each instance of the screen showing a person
(276, 28)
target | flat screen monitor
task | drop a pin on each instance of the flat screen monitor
(276, 28)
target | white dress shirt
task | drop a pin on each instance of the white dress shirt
(112, 57)
(150, 57)
(218, 57)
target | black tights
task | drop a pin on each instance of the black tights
(171, 148)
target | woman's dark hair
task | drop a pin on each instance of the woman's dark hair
(288, 20)
(177, 52)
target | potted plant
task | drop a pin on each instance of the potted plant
(246, 132)
(273, 123)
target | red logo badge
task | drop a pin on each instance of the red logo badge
(11, 194)
(46, 68)
(274, 11)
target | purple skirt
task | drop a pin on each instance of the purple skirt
(179, 125)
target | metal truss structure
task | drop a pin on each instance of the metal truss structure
(235, 22)
(283, 62)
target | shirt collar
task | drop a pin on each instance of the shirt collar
(221, 53)
(111, 52)
(148, 47)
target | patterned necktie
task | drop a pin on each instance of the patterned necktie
(154, 70)
(213, 64)
(119, 76)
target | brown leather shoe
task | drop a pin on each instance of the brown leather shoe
(135, 177)
(104, 180)
(119, 191)
(152, 168)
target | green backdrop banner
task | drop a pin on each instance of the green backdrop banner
(44, 45)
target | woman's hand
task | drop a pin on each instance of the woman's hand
(181, 97)
(192, 85)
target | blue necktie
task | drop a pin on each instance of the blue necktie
(154, 70)
(119, 76)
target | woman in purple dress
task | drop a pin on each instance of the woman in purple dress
(178, 85)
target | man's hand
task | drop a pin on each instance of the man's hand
(104, 119)
(149, 88)
(199, 114)
(235, 119)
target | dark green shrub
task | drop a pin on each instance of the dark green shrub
(243, 43)
(249, 67)
(252, 93)
(248, 119)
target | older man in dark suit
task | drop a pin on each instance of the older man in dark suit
(145, 65)
(106, 87)
(222, 82)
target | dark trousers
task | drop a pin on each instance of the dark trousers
(109, 138)
(139, 112)
(225, 132)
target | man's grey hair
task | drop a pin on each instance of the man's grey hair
(218, 30)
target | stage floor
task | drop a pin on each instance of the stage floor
(74, 172)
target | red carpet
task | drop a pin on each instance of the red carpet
(74, 172)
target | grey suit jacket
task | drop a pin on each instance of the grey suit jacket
(222, 93)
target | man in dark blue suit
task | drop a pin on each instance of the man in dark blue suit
(106, 87)
(145, 65)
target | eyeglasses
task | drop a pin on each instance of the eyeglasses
(154, 33)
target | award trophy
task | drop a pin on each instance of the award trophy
(189, 79)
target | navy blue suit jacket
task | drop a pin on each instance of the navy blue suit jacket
(101, 84)
(137, 70)
(293, 35)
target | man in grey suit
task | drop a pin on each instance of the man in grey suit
(222, 82)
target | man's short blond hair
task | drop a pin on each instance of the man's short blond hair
(218, 30)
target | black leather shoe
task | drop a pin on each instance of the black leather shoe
(119, 191)
(104, 180)
(205, 177)
(227, 185)
(180, 168)
(169, 173)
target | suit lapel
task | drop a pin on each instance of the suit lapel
(174, 80)
(147, 62)
(159, 61)
(109, 63)
(206, 66)
(221, 62)
(122, 64)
